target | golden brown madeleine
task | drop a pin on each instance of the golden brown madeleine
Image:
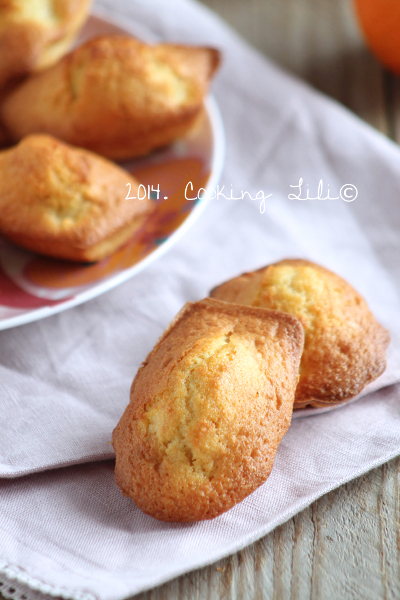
(35, 34)
(344, 348)
(115, 95)
(66, 202)
(209, 407)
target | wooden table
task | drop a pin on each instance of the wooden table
(347, 544)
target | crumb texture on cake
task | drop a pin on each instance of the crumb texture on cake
(208, 409)
(345, 347)
(115, 95)
(64, 201)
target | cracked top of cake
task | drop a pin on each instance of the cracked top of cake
(115, 95)
(208, 409)
(344, 347)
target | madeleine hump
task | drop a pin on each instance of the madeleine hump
(35, 35)
(208, 409)
(66, 202)
(115, 95)
(345, 347)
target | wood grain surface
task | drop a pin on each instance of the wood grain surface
(346, 546)
(320, 41)
(343, 547)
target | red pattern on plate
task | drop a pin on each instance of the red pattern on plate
(13, 296)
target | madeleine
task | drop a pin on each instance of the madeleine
(208, 409)
(66, 202)
(115, 95)
(34, 35)
(344, 348)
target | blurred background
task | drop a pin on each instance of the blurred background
(321, 41)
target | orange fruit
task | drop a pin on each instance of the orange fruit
(380, 21)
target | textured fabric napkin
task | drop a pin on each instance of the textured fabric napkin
(65, 380)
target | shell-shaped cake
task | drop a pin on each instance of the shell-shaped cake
(344, 348)
(115, 95)
(66, 202)
(35, 34)
(208, 409)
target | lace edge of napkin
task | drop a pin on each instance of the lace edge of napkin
(16, 584)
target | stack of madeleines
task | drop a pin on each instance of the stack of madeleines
(113, 96)
(212, 401)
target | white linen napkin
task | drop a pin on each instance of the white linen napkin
(65, 380)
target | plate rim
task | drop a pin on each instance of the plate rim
(217, 163)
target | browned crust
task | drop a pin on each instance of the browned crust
(223, 419)
(345, 347)
(29, 43)
(115, 95)
(66, 202)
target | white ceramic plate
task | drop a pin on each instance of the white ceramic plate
(34, 287)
